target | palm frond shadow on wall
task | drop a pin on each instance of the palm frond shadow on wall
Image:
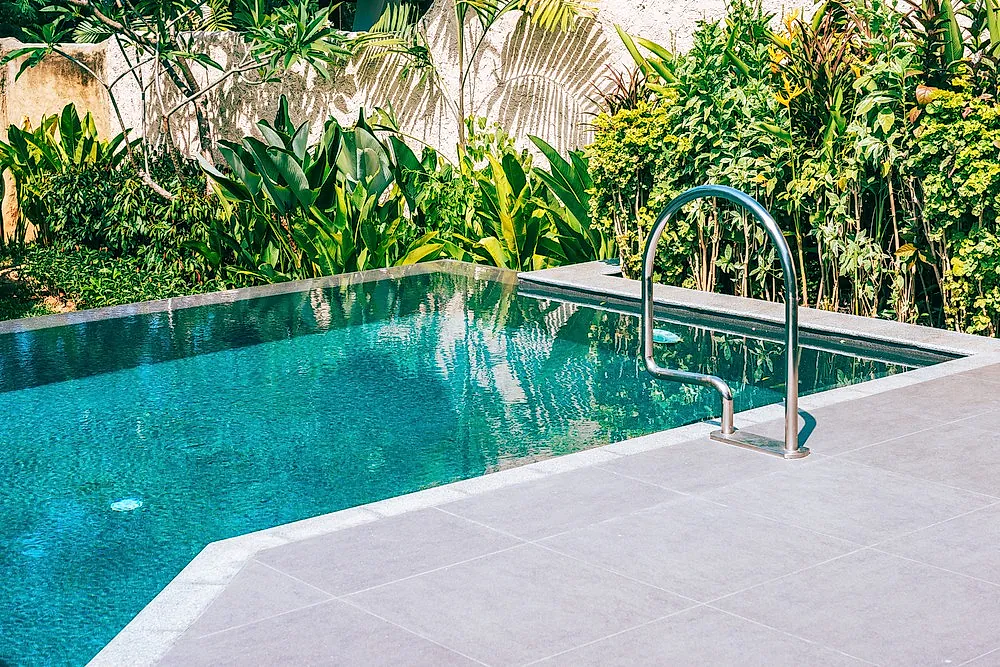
(545, 82)
(532, 81)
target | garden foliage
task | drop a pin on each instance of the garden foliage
(869, 133)
(360, 198)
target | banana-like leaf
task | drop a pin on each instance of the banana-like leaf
(954, 46)
(494, 249)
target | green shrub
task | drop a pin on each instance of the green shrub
(95, 278)
(630, 162)
(957, 161)
(115, 211)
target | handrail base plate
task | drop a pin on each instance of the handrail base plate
(759, 443)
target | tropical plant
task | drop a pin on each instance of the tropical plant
(621, 90)
(303, 211)
(569, 181)
(59, 145)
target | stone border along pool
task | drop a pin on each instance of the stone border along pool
(149, 636)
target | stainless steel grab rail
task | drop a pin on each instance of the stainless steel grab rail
(790, 448)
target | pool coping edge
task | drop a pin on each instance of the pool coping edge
(602, 279)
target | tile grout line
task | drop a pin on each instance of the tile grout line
(259, 620)
(906, 435)
(971, 660)
(570, 530)
(335, 596)
(875, 545)
(344, 596)
(994, 584)
(782, 522)
(411, 631)
(720, 504)
(912, 478)
(859, 547)
(696, 494)
(790, 634)
(784, 576)
(330, 598)
(613, 634)
(538, 543)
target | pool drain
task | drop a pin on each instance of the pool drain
(126, 504)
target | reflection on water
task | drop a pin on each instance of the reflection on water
(130, 444)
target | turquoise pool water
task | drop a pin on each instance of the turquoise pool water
(129, 444)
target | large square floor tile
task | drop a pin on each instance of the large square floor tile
(848, 500)
(699, 549)
(385, 550)
(560, 502)
(519, 605)
(969, 544)
(961, 454)
(881, 608)
(696, 466)
(330, 633)
(702, 637)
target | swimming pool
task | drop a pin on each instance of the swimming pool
(130, 443)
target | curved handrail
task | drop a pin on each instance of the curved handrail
(791, 443)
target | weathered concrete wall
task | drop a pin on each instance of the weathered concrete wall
(44, 90)
(529, 80)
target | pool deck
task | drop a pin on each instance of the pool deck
(881, 547)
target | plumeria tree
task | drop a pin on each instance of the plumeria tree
(163, 40)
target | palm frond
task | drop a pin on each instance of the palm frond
(90, 31)
(558, 14)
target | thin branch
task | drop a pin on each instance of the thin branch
(121, 122)
(225, 76)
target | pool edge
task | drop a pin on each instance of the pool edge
(454, 267)
(602, 279)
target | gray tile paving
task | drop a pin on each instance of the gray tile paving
(256, 593)
(969, 544)
(959, 454)
(518, 606)
(881, 608)
(847, 426)
(560, 502)
(988, 373)
(945, 398)
(699, 549)
(695, 466)
(376, 553)
(703, 636)
(848, 500)
(332, 633)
